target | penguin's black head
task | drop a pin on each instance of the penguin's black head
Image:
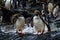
(37, 12)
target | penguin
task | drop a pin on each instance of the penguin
(50, 7)
(44, 17)
(38, 23)
(20, 22)
(55, 11)
(7, 4)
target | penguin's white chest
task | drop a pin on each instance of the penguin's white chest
(38, 23)
(20, 21)
(37, 20)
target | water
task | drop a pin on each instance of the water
(8, 28)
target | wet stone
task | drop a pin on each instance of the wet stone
(15, 36)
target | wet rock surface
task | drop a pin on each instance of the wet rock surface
(55, 35)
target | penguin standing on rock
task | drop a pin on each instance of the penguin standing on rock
(20, 22)
(38, 23)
